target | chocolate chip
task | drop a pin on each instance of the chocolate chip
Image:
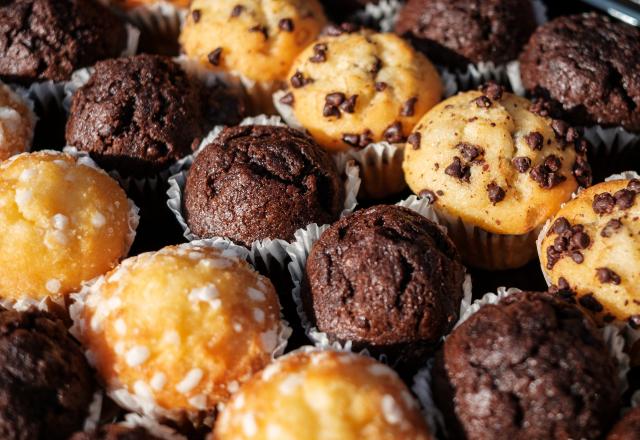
(288, 99)
(319, 53)
(608, 318)
(286, 24)
(559, 128)
(358, 140)
(237, 10)
(214, 57)
(546, 174)
(634, 322)
(428, 194)
(572, 135)
(458, 170)
(577, 257)
(552, 257)
(393, 133)
(611, 226)
(196, 15)
(560, 244)
(535, 140)
(634, 185)
(377, 66)
(561, 225)
(581, 146)
(580, 240)
(607, 276)
(298, 80)
(590, 303)
(624, 198)
(332, 30)
(522, 164)
(409, 107)
(582, 172)
(483, 102)
(496, 193)
(563, 284)
(335, 98)
(381, 86)
(349, 105)
(603, 203)
(330, 110)
(414, 140)
(552, 163)
(262, 29)
(469, 151)
(493, 90)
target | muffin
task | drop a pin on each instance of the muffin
(592, 248)
(173, 333)
(63, 221)
(529, 367)
(496, 167)
(17, 123)
(256, 182)
(462, 32)
(589, 64)
(627, 428)
(412, 301)
(139, 115)
(49, 39)
(46, 385)
(322, 395)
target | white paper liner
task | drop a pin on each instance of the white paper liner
(611, 335)
(299, 251)
(271, 252)
(159, 19)
(384, 14)
(133, 420)
(95, 411)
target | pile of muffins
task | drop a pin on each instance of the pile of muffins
(311, 219)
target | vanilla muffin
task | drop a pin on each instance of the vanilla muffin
(17, 122)
(63, 221)
(323, 395)
(350, 89)
(592, 248)
(176, 331)
(494, 162)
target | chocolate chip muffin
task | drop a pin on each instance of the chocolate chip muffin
(257, 182)
(529, 367)
(628, 427)
(387, 279)
(139, 115)
(116, 432)
(590, 64)
(46, 385)
(49, 39)
(461, 32)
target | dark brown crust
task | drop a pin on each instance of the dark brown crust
(589, 64)
(386, 278)
(628, 428)
(115, 432)
(50, 39)
(529, 367)
(257, 182)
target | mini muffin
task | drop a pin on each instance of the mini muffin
(589, 64)
(176, 331)
(462, 32)
(592, 249)
(17, 123)
(323, 395)
(628, 427)
(139, 115)
(63, 222)
(353, 89)
(494, 162)
(49, 39)
(530, 367)
(256, 182)
(46, 385)
(413, 297)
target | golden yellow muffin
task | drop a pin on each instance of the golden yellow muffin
(62, 222)
(592, 250)
(323, 395)
(492, 161)
(177, 331)
(17, 122)
(352, 89)
(258, 39)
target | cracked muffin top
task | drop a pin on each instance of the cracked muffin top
(49, 39)
(529, 367)
(590, 64)
(139, 115)
(256, 182)
(387, 279)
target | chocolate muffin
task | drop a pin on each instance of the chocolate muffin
(46, 384)
(590, 65)
(529, 367)
(387, 279)
(115, 432)
(139, 115)
(628, 427)
(455, 33)
(48, 39)
(256, 182)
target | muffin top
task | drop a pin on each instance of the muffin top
(63, 221)
(387, 279)
(323, 395)
(140, 114)
(461, 32)
(529, 367)
(258, 39)
(49, 39)
(495, 160)
(46, 385)
(592, 250)
(17, 123)
(256, 182)
(349, 89)
(590, 64)
(628, 427)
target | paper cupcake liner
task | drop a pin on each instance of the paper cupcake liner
(133, 420)
(261, 94)
(382, 15)
(269, 252)
(422, 382)
(299, 251)
(158, 20)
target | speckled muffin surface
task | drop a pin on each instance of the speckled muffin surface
(590, 64)
(461, 32)
(46, 385)
(139, 115)
(49, 39)
(529, 367)
(385, 278)
(628, 427)
(257, 182)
